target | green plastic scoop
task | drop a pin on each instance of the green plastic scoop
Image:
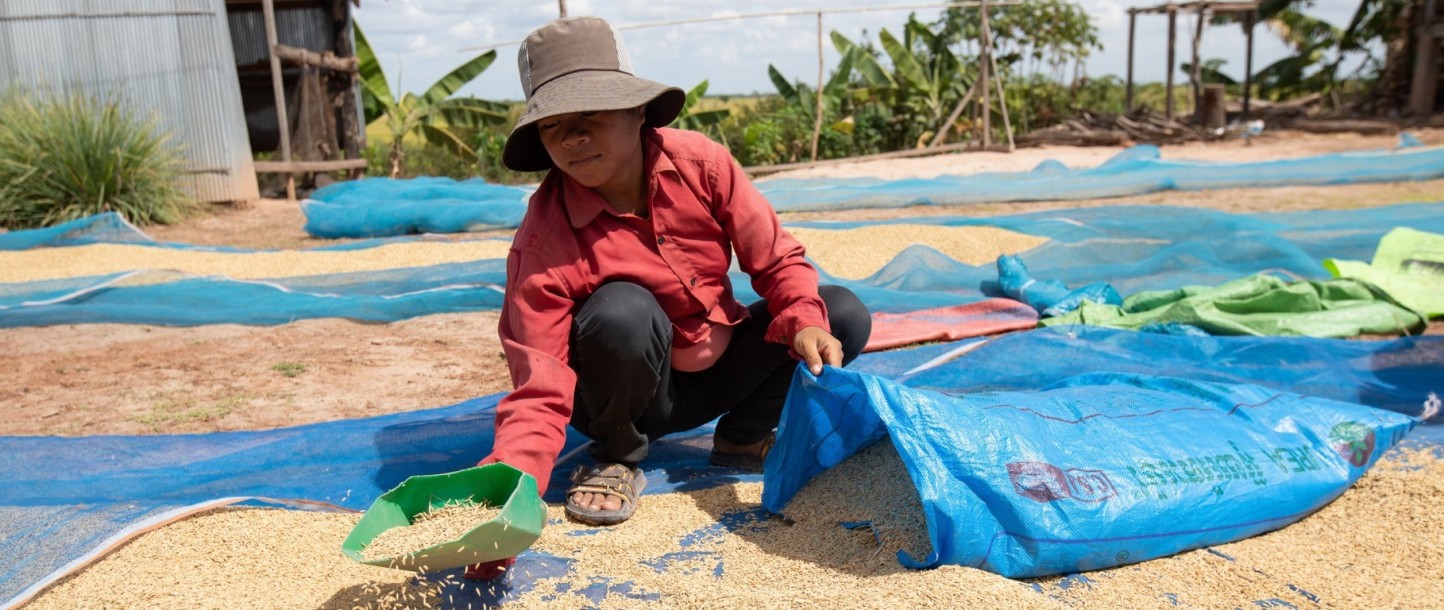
(513, 530)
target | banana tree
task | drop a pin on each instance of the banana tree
(929, 76)
(1309, 68)
(435, 115)
(841, 94)
(700, 120)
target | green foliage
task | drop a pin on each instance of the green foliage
(698, 120)
(441, 120)
(1307, 70)
(423, 159)
(63, 158)
(289, 369)
(1029, 38)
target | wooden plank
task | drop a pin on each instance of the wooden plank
(307, 57)
(291, 167)
(1361, 126)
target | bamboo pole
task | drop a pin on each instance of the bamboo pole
(985, 69)
(1248, 21)
(268, 9)
(1172, 40)
(1128, 92)
(1002, 102)
(947, 126)
(817, 124)
(1195, 75)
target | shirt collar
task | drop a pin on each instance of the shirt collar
(584, 204)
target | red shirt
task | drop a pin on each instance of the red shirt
(702, 209)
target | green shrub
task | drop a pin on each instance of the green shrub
(425, 159)
(67, 158)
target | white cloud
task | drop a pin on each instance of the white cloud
(461, 30)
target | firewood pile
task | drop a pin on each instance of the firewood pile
(1142, 126)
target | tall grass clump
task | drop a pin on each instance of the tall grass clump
(63, 158)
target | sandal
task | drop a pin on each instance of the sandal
(610, 479)
(751, 462)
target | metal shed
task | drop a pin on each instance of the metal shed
(171, 59)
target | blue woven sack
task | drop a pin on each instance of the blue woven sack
(1096, 471)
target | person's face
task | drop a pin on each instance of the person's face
(598, 149)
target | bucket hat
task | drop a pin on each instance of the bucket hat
(579, 64)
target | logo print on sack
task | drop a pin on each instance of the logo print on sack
(1044, 482)
(1354, 442)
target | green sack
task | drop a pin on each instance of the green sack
(1260, 305)
(1409, 265)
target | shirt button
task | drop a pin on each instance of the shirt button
(661, 240)
(694, 281)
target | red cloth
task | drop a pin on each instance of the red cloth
(702, 208)
(986, 317)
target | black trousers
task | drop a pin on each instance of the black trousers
(628, 395)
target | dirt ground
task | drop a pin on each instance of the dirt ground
(134, 379)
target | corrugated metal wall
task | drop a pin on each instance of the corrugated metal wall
(167, 58)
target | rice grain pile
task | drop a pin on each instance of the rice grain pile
(104, 259)
(240, 558)
(438, 525)
(858, 253)
(1378, 545)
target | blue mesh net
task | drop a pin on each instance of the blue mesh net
(1135, 171)
(382, 207)
(1133, 249)
(377, 207)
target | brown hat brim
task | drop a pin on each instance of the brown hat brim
(585, 91)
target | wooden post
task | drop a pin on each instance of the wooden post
(1195, 75)
(952, 119)
(1426, 67)
(268, 8)
(1212, 112)
(817, 123)
(1128, 92)
(562, 4)
(1002, 102)
(353, 132)
(984, 68)
(1248, 21)
(1172, 38)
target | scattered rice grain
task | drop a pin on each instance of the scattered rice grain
(1375, 546)
(104, 259)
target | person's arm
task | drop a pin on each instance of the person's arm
(774, 259)
(535, 329)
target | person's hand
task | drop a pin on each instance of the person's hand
(490, 570)
(817, 347)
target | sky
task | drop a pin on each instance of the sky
(419, 41)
